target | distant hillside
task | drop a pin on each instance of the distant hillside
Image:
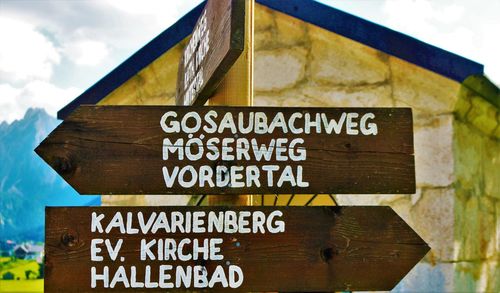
(27, 184)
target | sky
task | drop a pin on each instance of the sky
(53, 50)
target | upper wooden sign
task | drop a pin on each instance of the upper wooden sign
(243, 249)
(215, 44)
(233, 150)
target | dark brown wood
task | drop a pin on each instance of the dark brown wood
(217, 41)
(322, 249)
(118, 150)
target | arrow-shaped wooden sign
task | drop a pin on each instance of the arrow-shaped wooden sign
(233, 150)
(245, 249)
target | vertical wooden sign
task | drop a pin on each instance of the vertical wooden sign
(216, 43)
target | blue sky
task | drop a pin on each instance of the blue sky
(53, 50)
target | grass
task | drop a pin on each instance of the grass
(4, 259)
(18, 268)
(21, 286)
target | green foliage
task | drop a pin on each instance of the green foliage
(41, 269)
(18, 275)
(19, 268)
(8, 276)
(30, 275)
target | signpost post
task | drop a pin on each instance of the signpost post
(237, 90)
(244, 249)
(235, 83)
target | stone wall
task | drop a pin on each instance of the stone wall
(456, 208)
(456, 142)
(477, 189)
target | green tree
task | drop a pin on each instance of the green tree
(28, 274)
(41, 269)
(8, 276)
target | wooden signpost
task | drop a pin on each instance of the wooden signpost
(244, 249)
(233, 150)
(216, 43)
(228, 152)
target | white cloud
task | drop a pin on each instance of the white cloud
(490, 50)
(462, 27)
(422, 18)
(163, 12)
(420, 12)
(14, 101)
(409, 13)
(42, 42)
(450, 14)
(151, 7)
(25, 54)
(86, 52)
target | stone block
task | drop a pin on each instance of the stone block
(467, 275)
(290, 31)
(490, 163)
(279, 69)
(160, 100)
(477, 160)
(478, 276)
(463, 104)
(368, 199)
(337, 60)
(433, 219)
(425, 277)
(423, 90)
(264, 18)
(169, 200)
(317, 96)
(360, 96)
(125, 94)
(487, 227)
(476, 228)
(163, 73)
(433, 151)
(123, 200)
(286, 98)
(483, 115)
(468, 150)
(268, 100)
(153, 85)
(468, 224)
(490, 278)
(496, 133)
(497, 228)
(264, 40)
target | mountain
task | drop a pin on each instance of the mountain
(27, 184)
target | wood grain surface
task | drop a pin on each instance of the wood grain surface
(322, 249)
(226, 32)
(118, 150)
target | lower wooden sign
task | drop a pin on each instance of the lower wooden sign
(299, 249)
